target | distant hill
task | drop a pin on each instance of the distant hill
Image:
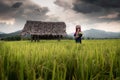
(4, 35)
(94, 33)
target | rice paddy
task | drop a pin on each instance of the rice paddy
(60, 60)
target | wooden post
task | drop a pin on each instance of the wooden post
(37, 38)
(58, 37)
(31, 38)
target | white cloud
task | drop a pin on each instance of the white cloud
(58, 13)
(110, 16)
(8, 22)
(111, 26)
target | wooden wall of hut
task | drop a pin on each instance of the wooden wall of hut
(37, 38)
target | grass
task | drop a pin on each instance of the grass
(64, 60)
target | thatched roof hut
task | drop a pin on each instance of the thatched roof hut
(44, 28)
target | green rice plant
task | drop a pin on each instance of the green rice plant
(60, 60)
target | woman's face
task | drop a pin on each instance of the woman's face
(78, 30)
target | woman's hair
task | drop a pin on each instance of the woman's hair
(78, 27)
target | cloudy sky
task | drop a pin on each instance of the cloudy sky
(96, 14)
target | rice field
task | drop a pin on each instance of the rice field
(60, 60)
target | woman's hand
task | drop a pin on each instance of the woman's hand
(77, 35)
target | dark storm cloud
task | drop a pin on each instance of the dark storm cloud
(17, 5)
(104, 3)
(63, 3)
(88, 6)
(4, 7)
(21, 9)
(98, 10)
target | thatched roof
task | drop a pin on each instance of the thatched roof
(44, 28)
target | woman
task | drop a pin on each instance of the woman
(78, 34)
